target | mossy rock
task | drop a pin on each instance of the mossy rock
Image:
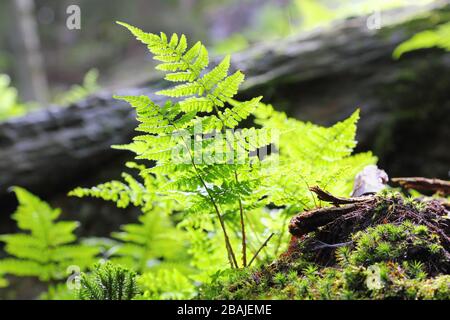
(397, 249)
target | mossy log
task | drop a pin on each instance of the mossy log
(321, 76)
(386, 246)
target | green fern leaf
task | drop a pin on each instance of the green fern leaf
(46, 247)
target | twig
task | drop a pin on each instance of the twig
(419, 183)
(328, 197)
(327, 245)
(260, 248)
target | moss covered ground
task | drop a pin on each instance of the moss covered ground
(392, 247)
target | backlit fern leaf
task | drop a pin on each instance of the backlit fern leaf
(201, 93)
(46, 247)
(153, 238)
(239, 111)
(147, 243)
(312, 155)
(130, 191)
(439, 37)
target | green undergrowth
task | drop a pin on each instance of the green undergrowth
(402, 259)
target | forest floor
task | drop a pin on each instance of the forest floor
(383, 246)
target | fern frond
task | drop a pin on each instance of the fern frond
(122, 193)
(228, 88)
(239, 111)
(199, 93)
(312, 155)
(46, 248)
(439, 37)
(197, 105)
(152, 239)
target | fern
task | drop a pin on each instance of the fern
(152, 241)
(198, 165)
(312, 155)
(46, 247)
(108, 281)
(130, 191)
(439, 37)
(216, 179)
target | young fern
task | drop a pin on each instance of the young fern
(205, 106)
(46, 247)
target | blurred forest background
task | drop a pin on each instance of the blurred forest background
(226, 26)
(318, 60)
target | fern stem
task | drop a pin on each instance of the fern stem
(233, 261)
(260, 248)
(241, 209)
(231, 255)
(280, 238)
(222, 223)
(244, 241)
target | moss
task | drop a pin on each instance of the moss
(401, 259)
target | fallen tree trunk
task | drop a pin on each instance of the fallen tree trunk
(323, 76)
(335, 224)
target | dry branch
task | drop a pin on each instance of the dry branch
(418, 183)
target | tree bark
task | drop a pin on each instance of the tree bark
(323, 76)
